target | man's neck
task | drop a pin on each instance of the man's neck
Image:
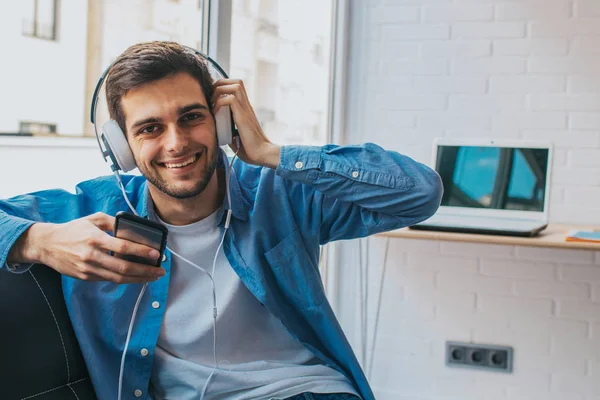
(187, 211)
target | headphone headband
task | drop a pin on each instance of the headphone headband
(103, 76)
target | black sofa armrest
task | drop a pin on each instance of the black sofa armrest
(40, 358)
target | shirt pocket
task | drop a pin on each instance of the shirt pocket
(297, 274)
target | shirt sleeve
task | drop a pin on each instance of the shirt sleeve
(12, 228)
(359, 190)
(17, 214)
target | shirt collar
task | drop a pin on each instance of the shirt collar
(238, 207)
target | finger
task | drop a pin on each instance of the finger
(98, 273)
(123, 267)
(126, 247)
(233, 89)
(233, 104)
(227, 81)
(103, 221)
(90, 277)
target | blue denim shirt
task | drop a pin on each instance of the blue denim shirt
(279, 219)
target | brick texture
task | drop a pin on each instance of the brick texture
(514, 69)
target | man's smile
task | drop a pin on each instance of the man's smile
(183, 163)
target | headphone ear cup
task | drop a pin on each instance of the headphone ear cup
(224, 125)
(117, 146)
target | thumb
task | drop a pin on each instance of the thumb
(103, 221)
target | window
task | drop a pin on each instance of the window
(280, 49)
(40, 19)
(54, 80)
(36, 128)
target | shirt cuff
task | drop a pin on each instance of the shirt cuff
(300, 162)
(300, 158)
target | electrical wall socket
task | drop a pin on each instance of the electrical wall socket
(479, 356)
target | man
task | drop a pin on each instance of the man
(277, 335)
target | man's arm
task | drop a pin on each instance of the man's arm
(23, 253)
(18, 214)
(48, 228)
(355, 191)
(359, 190)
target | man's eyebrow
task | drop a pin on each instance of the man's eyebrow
(182, 110)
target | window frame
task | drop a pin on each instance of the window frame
(33, 33)
(51, 125)
(216, 42)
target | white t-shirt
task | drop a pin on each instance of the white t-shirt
(258, 357)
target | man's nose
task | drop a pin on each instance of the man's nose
(175, 139)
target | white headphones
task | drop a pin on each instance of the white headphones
(113, 142)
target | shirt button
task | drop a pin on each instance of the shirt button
(155, 304)
(355, 174)
(299, 164)
(137, 393)
(144, 352)
(164, 257)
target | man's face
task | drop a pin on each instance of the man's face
(172, 135)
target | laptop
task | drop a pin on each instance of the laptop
(492, 187)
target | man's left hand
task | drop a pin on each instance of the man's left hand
(256, 148)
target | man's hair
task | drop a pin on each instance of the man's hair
(148, 62)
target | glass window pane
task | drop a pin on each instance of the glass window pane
(45, 18)
(27, 11)
(280, 49)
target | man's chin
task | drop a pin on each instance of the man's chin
(182, 186)
(183, 192)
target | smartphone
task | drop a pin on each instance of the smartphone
(143, 231)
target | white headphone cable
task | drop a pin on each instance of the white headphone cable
(135, 309)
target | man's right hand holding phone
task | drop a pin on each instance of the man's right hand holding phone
(80, 249)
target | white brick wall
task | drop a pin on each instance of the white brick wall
(524, 69)
(531, 46)
(521, 69)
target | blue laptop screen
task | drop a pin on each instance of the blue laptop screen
(493, 177)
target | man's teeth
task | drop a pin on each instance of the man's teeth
(183, 164)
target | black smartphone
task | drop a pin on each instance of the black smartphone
(143, 231)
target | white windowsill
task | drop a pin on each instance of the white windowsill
(39, 141)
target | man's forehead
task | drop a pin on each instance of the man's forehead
(164, 96)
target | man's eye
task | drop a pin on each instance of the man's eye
(149, 129)
(191, 117)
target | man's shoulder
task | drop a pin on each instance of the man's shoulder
(252, 180)
(107, 186)
(249, 175)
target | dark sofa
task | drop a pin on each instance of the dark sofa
(40, 358)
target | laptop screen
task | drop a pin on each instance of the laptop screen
(503, 178)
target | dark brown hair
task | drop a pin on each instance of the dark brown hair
(148, 62)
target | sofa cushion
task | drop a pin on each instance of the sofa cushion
(39, 354)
